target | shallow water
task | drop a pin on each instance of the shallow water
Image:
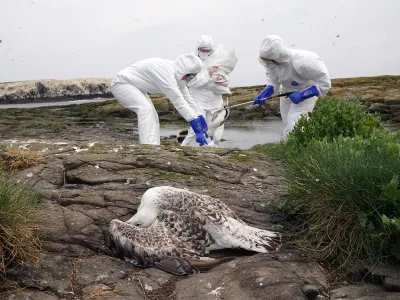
(237, 134)
(60, 103)
(242, 135)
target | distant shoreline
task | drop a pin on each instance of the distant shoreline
(374, 89)
(56, 99)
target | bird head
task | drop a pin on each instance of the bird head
(147, 211)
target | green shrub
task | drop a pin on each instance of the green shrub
(19, 243)
(341, 187)
(332, 118)
(387, 235)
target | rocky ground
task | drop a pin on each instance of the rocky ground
(92, 171)
(85, 184)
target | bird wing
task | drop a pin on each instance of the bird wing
(144, 246)
(188, 229)
(202, 207)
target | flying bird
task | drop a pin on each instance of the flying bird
(175, 223)
(338, 35)
(262, 20)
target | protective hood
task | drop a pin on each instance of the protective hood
(274, 48)
(187, 64)
(205, 41)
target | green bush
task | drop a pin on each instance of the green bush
(344, 191)
(332, 118)
(19, 243)
(387, 236)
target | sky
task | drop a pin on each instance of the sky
(66, 39)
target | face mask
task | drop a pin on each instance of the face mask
(186, 82)
(204, 55)
(181, 83)
(219, 79)
(190, 77)
(272, 67)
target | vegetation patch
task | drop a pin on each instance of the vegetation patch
(343, 170)
(346, 192)
(14, 159)
(334, 117)
(19, 242)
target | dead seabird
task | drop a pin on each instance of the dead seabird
(172, 222)
(172, 243)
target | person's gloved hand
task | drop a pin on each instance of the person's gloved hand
(309, 92)
(197, 126)
(267, 92)
(204, 124)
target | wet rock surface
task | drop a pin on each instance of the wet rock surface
(380, 94)
(83, 190)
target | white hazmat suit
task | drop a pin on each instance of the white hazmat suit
(156, 75)
(296, 71)
(207, 90)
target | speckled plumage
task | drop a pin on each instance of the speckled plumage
(172, 222)
(170, 235)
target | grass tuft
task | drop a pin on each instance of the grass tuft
(19, 242)
(13, 160)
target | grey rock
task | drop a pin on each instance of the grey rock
(101, 270)
(256, 277)
(363, 292)
(54, 273)
(95, 289)
(153, 279)
(392, 284)
(30, 295)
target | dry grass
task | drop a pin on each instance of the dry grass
(102, 292)
(18, 159)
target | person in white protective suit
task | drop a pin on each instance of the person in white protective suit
(207, 90)
(298, 71)
(155, 75)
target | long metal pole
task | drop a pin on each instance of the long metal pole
(245, 103)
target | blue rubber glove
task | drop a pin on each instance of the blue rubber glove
(309, 92)
(204, 124)
(197, 126)
(267, 92)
